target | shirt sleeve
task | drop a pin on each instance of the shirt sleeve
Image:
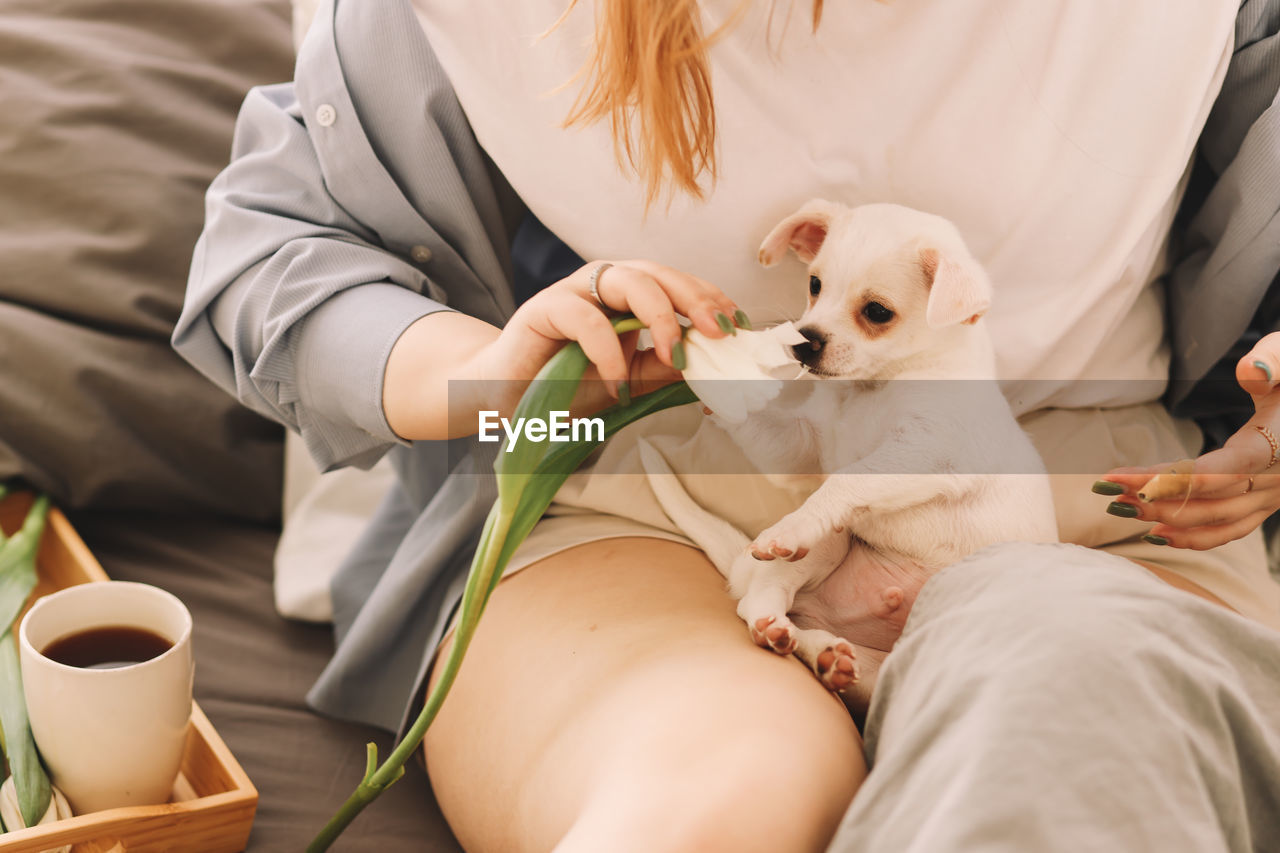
(292, 305)
(1222, 290)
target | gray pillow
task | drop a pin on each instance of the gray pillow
(116, 116)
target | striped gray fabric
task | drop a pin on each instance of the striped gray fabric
(304, 278)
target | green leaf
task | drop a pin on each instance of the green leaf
(24, 762)
(17, 579)
(562, 461)
(18, 563)
(553, 389)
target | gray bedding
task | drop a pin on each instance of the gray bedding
(116, 117)
(253, 669)
(1051, 698)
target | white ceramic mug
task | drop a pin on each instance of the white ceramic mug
(110, 737)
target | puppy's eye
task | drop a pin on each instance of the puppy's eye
(877, 313)
(815, 285)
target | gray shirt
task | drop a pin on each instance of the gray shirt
(357, 201)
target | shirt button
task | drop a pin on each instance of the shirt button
(326, 115)
(421, 254)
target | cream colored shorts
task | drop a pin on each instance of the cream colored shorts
(610, 497)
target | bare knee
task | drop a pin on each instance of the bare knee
(768, 809)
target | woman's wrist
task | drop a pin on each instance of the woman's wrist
(433, 383)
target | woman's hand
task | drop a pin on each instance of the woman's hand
(1233, 489)
(496, 365)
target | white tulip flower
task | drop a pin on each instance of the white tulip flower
(59, 809)
(762, 359)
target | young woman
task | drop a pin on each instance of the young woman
(355, 262)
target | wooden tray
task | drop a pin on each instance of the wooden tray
(213, 802)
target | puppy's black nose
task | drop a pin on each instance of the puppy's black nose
(810, 351)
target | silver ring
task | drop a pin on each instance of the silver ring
(593, 284)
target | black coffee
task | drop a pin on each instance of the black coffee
(107, 647)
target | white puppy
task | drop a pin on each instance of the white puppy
(910, 462)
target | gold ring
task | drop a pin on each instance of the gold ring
(1271, 440)
(593, 284)
(1249, 488)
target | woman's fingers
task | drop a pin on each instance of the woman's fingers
(575, 319)
(627, 289)
(655, 294)
(1122, 481)
(1259, 370)
(1203, 512)
(1204, 538)
(710, 311)
(1224, 497)
(1221, 472)
(691, 284)
(1226, 470)
(648, 373)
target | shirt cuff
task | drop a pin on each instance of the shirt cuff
(343, 348)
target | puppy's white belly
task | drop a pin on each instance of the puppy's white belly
(1003, 508)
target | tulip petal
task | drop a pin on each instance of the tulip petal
(737, 376)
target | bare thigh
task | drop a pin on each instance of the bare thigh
(613, 700)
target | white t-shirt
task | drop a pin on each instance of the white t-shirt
(1056, 134)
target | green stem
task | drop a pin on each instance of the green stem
(491, 556)
(622, 325)
(479, 584)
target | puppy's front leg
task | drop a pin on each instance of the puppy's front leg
(785, 449)
(875, 484)
(798, 532)
(766, 592)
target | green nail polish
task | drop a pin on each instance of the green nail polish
(744, 322)
(1262, 365)
(624, 393)
(1106, 487)
(1155, 540)
(677, 356)
(725, 324)
(1123, 510)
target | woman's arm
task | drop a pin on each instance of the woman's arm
(316, 285)
(1226, 267)
(437, 349)
(295, 308)
(293, 304)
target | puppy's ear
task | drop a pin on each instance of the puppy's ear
(803, 231)
(959, 290)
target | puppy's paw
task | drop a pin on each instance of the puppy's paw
(793, 537)
(776, 633)
(837, 666)
(831, 658)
